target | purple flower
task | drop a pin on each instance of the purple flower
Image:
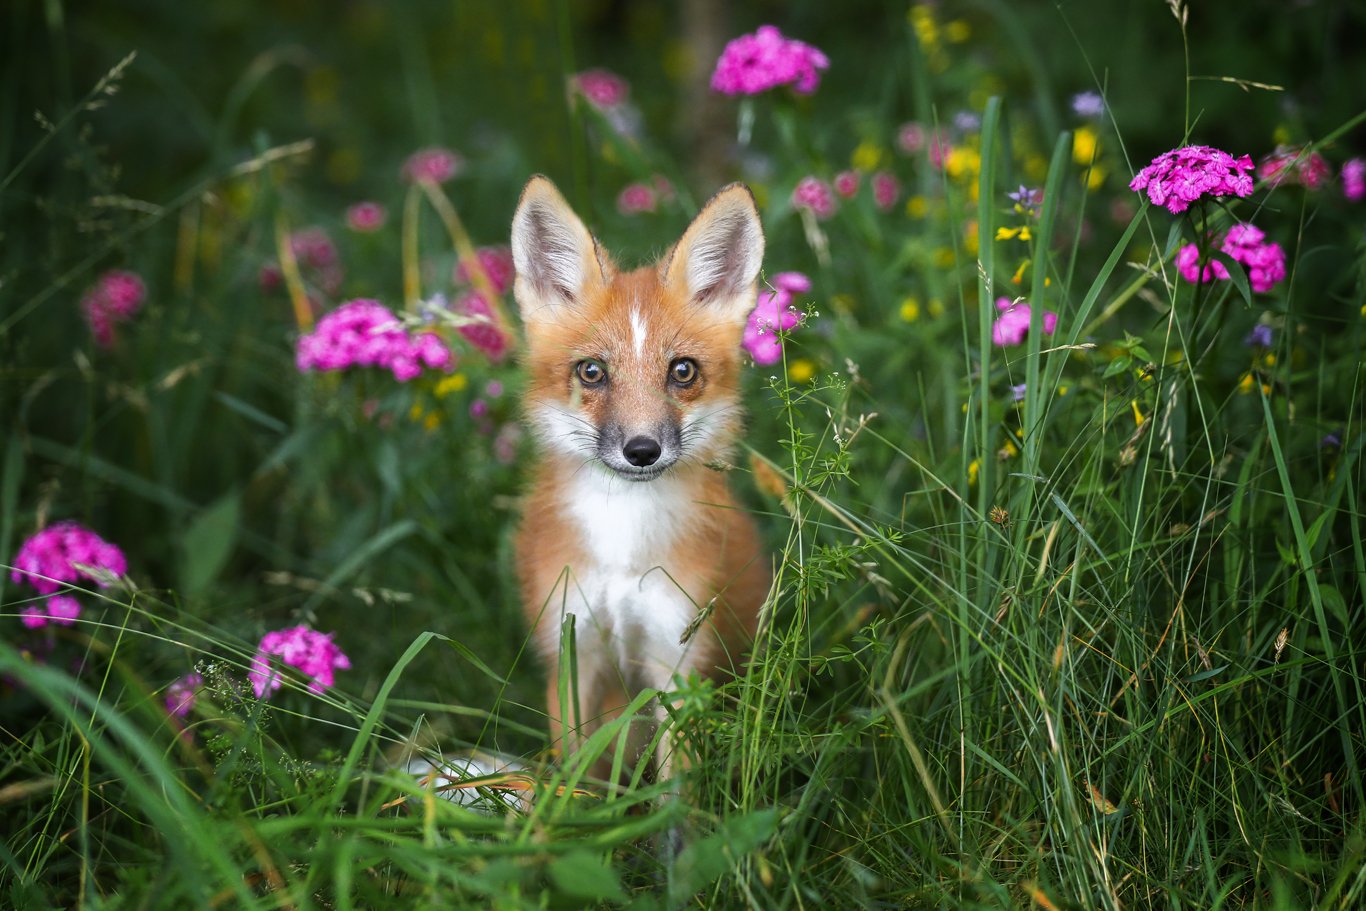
(814, 194)
(312, 652)
(432, 165)
(1017, 393)
(1354, 179)
(1088, 104)
(182, 693)
(1011, 327)
(366, 217)
(774, 311)
(756, 63)
(1178, 178)
(50, 557)
(1293, 165)
(1331, 440)
(115, 297)
(1027, 199)
(364, 333)
(967, 122)
(1259, 337)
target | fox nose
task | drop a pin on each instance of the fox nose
(641, 451)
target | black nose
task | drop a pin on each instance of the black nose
(641, 451)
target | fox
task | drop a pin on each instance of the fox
(633, 399)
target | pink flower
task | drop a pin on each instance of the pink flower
(1292, 165)
(312, 652)
(366, 217)
(433, 165)
(846, 183)
(814, 194)
(886, 189)
(664, 190)
(497, 265)
(1011, 327)
(114, 298)
(603, 89)
(59, 610)
(1354, 179)
(317, 258)
(365, 333)
(774, 311)
(1178, 178)
(51, 557)
(911, 138)
(636, 198)
(182, 693)
(483, 334)
(756, 63)
(1264, 262)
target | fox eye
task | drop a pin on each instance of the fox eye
(590, 373)
(683, 372)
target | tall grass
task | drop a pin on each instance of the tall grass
(1091, 648)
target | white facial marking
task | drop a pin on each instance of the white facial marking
(638, 331)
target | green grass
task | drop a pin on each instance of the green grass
(1092, 649)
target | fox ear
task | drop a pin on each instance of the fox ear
(718, 258)
(557, 260)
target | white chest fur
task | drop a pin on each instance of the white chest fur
(630, 604)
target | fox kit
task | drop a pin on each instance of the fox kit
(633, 388)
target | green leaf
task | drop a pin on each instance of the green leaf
(705, 861)
(1117, 366)
(209, 542)
(583, 874)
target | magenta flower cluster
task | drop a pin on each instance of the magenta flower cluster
(1012, 326)
(313, 653)
(1294, 165)
(764, 60)
(60, 554)
(601, 88)
(1245, 244)
(182, 693)
(1354, 179)
(432, 165)
(496, 262)
(1178, 178)
(115, 297)
(317, 258)
(366, 217)
(816, 195)
(365, 333)
(774, 311)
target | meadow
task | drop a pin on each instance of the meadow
(1055, 425)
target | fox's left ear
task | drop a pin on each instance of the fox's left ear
(718, 258)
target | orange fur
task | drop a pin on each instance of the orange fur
(636, 560)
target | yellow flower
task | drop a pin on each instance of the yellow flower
(1019, 273)
(801, 370)
(1084, 144)
(943, 257)
(1246, 384)
(456, 382)
(1095, 177)
(1063, 390)
(910, 309)
(1269, 359)
(1008, 451)
(963, 161)
(970, 236)
(415, 413)
(957, 31)
(1138, 415)
(922, 18)
(867, 157)
(973, 468)
(1004, 233)
(432, 422)
(916, 207)
(936, 307)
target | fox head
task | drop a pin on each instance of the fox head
(636, 372)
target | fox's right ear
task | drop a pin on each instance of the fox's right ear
(557, 259)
